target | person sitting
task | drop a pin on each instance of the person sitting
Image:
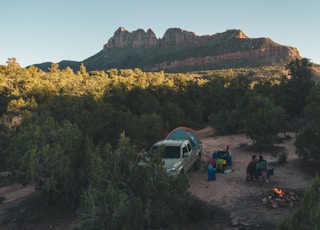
(262, 169)
(251, 169)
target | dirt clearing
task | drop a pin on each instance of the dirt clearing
(242, 199)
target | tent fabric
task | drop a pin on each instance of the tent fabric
(184, 133)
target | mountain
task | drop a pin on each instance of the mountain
(180, 51)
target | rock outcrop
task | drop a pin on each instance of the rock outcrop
(205, 62)
(181, 50)
(137, 39)
(172, 37)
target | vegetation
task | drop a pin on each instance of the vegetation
(308, 140)
(308, 215)
(78, 136)
(136, 193)
(263, 120)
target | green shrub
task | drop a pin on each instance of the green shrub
(308, 215)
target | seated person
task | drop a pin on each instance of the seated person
(262, 169)
(251, 169)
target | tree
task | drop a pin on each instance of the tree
(23, 108)
(12, 65)
(127, 191)
(141, 101)
(51, 156)
(308, 140)
(54, 68)
(215, 99)
(263, 120)
(150, 127)
(226, 122)
(83, 70)
(293, 91)
(173, 114)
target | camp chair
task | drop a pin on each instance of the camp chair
(270, 174)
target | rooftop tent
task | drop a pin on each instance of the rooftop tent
(184, 133)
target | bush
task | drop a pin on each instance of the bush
(308, 215)
(136, 193)
(226, 122)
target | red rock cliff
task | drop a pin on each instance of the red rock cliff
(179, 49)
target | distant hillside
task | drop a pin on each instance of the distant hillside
(180, 51)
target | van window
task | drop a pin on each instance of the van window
(189, 147)
(185, 149)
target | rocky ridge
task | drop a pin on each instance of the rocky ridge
(182, 51)
(172, 37)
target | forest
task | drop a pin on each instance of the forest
(79, 136)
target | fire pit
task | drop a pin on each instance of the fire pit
(279, 198)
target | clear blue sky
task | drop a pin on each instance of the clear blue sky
(36, 31)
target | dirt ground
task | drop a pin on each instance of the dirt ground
(240, 199)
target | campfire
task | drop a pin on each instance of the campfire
(277, 198)
(279, 192)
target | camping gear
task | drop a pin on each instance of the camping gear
(211, 173)
(229, 160)
(215, 155)
(225, 155)
(220, 165)
(212, 161)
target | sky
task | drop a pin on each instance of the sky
(37, 31)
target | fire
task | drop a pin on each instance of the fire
(279, 192)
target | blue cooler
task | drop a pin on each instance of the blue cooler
(215, 155)
(211, 173)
